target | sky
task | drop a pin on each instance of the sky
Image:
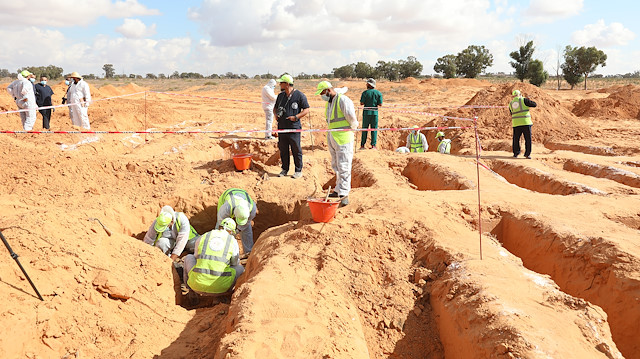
(310, 36)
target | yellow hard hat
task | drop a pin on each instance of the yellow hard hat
(242, 212)
(25, 73)
(228, 224)
(516, 93)
(286, 78)
(323, 86)
(162, 222)
(440, 134)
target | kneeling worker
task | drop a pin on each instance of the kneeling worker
(444, 145)
(171, 232)
(236, 204)
(215, 267)
(416, 141)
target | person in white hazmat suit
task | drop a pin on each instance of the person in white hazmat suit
(340, 114)
(172, 233)
(79, 97)
(24, 95)
(268, 100)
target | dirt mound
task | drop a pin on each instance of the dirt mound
(109, 90)
(456, 82)
(551, 120)
(623, 102)
(132, 88)
(410, 80)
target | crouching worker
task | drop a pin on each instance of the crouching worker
(172, 233)
(444, 145)
(215, 267)
(236, 204)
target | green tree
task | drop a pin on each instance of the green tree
(363, 70)
(52, 72)
(388, 70)
(108, 71)
(4, 73)
(570, 69)
(521, 59)
(346, 71)
(473, 60)
(151, 76)
(588, 59)
(446, 65)
(410, 67)
(536, 73)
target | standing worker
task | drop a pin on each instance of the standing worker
(521, 122)
(371, 99)
(291, 105)
(444, 145)
(268, 100)
(23, 93)
(236, 204)
(79, 99)
(172, 233)
(215, 267)
(340, 114)
(416, 141)
(43, 98)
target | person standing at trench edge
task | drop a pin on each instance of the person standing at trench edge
(521, 122)
(291, 105)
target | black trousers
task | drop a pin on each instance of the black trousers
(291, 141)
(46, 117)
(517, 132)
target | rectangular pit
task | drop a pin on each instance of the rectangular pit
(426, 175)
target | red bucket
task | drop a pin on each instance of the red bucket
(242, 161)
(322, 211)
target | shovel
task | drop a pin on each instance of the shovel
(103, 226)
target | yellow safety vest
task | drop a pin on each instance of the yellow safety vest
(520, 115)
(192, 231)
(444, 146)
(337, 120)
(415, 142)
(212, 273)
(228, 196)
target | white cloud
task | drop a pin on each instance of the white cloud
(66, 13)
(136, 29)
(603, 35)
(547, 11)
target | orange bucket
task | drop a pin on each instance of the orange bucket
(242, 161)
(322, 211)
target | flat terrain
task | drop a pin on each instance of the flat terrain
(397, 274)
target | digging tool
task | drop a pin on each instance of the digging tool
(103, 226)
(328, 193)
(15, 257)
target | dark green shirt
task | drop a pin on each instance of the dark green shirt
(371, 98)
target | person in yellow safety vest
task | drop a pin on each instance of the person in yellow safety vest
(340, 114)
(444, 145)
(521, 122)
(416, 141)
(236, 203)
(172, 233)
(215, 267)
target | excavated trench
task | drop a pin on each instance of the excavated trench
(615, 174)
(591, 150)
(360, 176)
(589, 268)
(425, 175)
(537, 180)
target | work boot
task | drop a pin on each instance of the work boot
(344, 201)
(283, 173)
(528, 157)
(184, 289)
(374, 147)
(362, 148)
(297, 175)
(334, 194)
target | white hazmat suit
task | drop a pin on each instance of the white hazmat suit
(22, 91)
(79, 97)
(268, 100)
(342, 155)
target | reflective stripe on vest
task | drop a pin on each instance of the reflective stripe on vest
(212, 273)
(444, 146)
(228, 196)
(520, 115)
(415, 143)
(337, 120)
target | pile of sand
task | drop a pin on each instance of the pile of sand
(456, 82)
(623, 102)
(410, 80)
(551, 120)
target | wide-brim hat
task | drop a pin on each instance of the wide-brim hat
(371, 82)
(75, 75)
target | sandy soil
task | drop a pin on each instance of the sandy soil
(397, 274)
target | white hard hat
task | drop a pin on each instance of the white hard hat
(241, 212)
(402, 150)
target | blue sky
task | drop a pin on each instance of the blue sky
(311, 36)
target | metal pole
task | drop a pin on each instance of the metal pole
(475, 122)
(145, 116)
(15, 257)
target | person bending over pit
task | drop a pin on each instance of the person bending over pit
(521, 122)
(236, 204)
(215, 267)
(416, 141)
(172, 233)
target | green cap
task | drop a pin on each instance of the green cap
(286, 78)
(162, 222)
(440, 134)
(323, 86)
(228, 224)
(25, 73)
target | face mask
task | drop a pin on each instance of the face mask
(32, 80)
(325, 97)
(43, 82)
(66, 82)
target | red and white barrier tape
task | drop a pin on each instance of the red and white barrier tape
(70, 104)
